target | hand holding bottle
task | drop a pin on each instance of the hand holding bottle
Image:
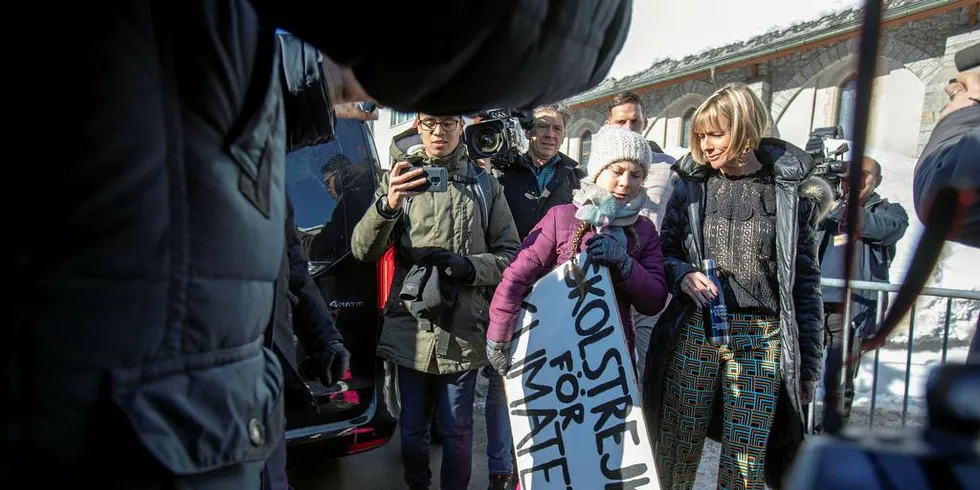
(699, 288)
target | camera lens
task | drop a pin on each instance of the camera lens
(489, 141)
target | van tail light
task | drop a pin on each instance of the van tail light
(359, 447)
(386, 274)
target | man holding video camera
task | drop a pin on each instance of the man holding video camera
(453, 236)
(881, 225)
(543, 177)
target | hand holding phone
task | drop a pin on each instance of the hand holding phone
(437, 178)
(404, 182)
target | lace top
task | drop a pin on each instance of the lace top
(740, 234)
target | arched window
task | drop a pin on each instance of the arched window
(845, 107)
(686, 128)
(585, 147)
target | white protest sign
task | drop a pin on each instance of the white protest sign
(571, 389)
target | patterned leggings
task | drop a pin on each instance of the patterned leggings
(749, 373)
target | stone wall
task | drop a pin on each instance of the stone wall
(914, 45)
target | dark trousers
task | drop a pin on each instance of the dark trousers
(833, 324)
(274, 472)
(451, 396)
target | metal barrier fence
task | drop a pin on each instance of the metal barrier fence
(881, 289)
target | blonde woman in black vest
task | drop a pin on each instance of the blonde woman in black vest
(750, 204)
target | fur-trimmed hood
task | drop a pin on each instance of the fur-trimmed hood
(820, 192)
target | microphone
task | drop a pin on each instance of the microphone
(967, 58)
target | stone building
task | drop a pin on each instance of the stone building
(805, 75)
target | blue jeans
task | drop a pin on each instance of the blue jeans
(499, 456)
(452, 395)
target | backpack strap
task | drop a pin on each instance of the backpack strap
(484, 193)
(478, 178)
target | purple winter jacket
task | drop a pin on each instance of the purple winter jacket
(548, 246)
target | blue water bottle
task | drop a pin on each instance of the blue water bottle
(715, 314)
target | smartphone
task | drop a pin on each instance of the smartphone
(437, 178)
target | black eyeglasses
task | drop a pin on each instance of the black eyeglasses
(447, 124)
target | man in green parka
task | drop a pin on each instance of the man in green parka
(451, 250)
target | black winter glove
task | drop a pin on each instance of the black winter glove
(453, 266)
(499, 355)
(606, 250)
(333, 363)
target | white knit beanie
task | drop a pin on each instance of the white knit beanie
(613, 144)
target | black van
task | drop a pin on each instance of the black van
(331, 186)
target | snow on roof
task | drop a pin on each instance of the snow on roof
(776, 36)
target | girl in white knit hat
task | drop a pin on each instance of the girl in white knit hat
(604, 219)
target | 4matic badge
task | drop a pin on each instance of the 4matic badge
(343, 305)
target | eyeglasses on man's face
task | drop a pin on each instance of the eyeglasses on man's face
(446, 124)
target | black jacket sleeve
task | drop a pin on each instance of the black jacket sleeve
(504, 53)
(312, 321)
(309, 113)
(806, 293)
(885, 225)
(951, 158)
(674, 230)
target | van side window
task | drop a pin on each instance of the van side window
(331, 186)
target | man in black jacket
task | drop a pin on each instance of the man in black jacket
(137, 356)
(300, 309)
(543, 177)
(882, 225)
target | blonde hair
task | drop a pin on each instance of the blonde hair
(747, 118)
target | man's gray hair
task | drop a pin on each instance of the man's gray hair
(560, 109)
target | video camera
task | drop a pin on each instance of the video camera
(499, 135)
(830, 151)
